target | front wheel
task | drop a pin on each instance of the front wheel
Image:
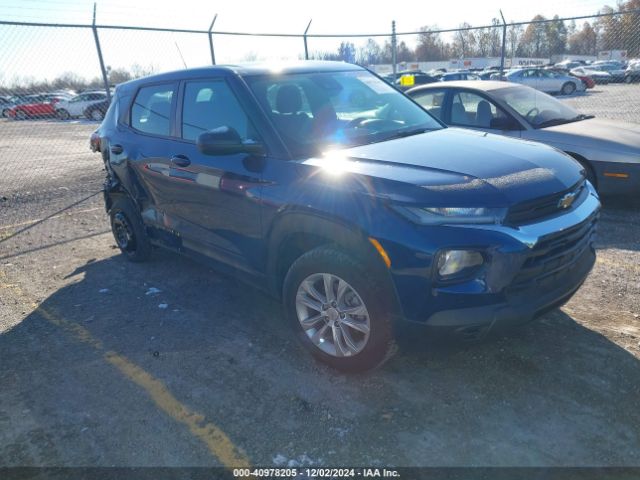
(339, 311)
(128, 231)
(21, 115)
(568, 88)
(63, 114)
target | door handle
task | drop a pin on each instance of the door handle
(180, 161)
(116, 149)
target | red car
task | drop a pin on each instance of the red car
(35, 106)
(588, 81)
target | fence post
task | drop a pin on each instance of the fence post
(504, 44)
(393, 48)
(210, 34)
(105, 78)
(306, 50)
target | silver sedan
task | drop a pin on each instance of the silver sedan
(608, 150)
(546, 80)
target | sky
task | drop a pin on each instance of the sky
(30, 52)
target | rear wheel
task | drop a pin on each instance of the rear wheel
(21, 115)
(628, 79)
(97, 115)
(568, 88)
(339, 311)
(128, 231)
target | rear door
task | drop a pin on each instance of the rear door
(145, 149)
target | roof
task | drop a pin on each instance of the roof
(249, 69)
(482, 85)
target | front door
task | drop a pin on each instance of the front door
(471, 110)
(220, 195)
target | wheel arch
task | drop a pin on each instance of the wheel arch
(295, 233)
(586, 164)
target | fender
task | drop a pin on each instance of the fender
(318, 229)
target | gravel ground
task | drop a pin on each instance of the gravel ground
(96, 368)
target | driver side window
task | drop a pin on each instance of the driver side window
(432, 101)
(211, 104)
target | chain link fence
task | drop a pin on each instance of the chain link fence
(51, 74)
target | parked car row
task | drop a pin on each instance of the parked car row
(63, 105)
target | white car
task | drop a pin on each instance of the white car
(75, 106)
(546, 80)
(598, 76)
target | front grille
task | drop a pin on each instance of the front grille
(554, 255)
(538, 209)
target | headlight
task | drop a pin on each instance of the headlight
(450, 215)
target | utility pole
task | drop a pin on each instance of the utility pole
(394, 49)
(504, 44)
(213, 55)
(306, 50)
(105, 78)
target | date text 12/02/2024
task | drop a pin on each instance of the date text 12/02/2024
(316, 473)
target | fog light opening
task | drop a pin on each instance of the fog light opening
(452, 262)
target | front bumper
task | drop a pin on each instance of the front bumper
(533, 269)
(521, 308)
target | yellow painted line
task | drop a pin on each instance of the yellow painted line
(216, 440)
(31, 222)
(218, 443)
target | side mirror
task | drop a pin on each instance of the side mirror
(226, 140)
(504, 123)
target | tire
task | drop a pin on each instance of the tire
(5, 113)
(62, 114)
(21, 115)
(568, 88)
(96, 115)
(361, 292)
(628, 79)
(128, 231)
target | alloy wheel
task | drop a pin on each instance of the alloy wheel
(332, 315)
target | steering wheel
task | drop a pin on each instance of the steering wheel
(533, 112)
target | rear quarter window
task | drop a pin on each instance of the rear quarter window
(151, 109)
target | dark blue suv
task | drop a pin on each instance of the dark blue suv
(327, 187)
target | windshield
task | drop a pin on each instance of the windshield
(315, 111)
(537, 108)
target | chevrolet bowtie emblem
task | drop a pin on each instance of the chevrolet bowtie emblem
(567, 200)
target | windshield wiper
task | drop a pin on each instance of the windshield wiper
(562, 121)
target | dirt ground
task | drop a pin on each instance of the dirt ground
(107, 363)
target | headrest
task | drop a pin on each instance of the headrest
(288, 99)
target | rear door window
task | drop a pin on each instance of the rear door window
(151, 109)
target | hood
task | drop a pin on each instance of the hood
(593, 134)
(459, 167)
